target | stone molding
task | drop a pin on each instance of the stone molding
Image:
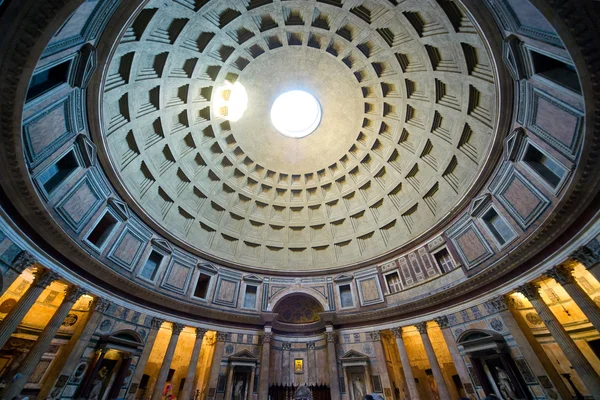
(561, 274)
(44, 277)
(530, 290)
(422, 327)
(156, 323)
(23, 260)
(177, 328)
(442, 321)
(397, 331)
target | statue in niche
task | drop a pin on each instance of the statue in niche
(238, 390)
(98, 383)
(303, 393)
(358, 388)
(505, 385)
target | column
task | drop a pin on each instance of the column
(433, 362)
(381, 361)
(459, 362)
(22, 261)
(166, 364)
(155, 325)
(229, 382)
(334, 379)
(413, 391)
(215, 370)
(590, 259)
(263, 384)
(578, 361)
(71, 354)
(530, 348)
(40, 346)
(188, 386)
(346, 382)
(43, 278)
(563, 275)
(251, 383)
(368, 383)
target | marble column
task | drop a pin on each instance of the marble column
(433, 362)
(22, 261)
(251, 383)
(413, 391)
(334, 380)
(530, 348)
(563, 275)
(188, 386)
(346, 382)
(69, 357)
(578, 361)
(43, 278)
(381, 361)
(166, 364)
(459, 362)
(263, 384)
(42, 343)
(590, 259)
(229, 382)
(368, 383)
(215, 369)
(155, 325)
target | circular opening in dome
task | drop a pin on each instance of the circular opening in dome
(296, 114)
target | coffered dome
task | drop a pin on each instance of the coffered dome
(409, 100)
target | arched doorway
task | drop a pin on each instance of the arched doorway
(110, 373)
(300, 315)
(493, 364)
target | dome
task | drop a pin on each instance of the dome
(234, 199)
(410, 116)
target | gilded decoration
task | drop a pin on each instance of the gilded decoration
(298, 310)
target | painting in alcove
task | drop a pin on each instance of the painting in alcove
(298, 309)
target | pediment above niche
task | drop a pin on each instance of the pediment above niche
(253, 278)
(512, 144)
(207, 267)
(162, 244)
(120, 207)
(243, 355)
(479, 203)
(353, 355)
(343, 278)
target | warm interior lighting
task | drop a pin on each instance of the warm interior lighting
(296, 114)
(232, 101)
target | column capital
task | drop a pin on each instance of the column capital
(200, 332)
(73, 293)
(397, 331)
(44, 277)
(330, 336)
(23, 260)
(310, 345)
(561, 274)
(375, 336)
(223, 336)
(102, 304)
(156, 323)
(267, 337)
(586, 256)
(421, 327)
(177, 328)
(529, 290)
(442, 321)
(497, 304)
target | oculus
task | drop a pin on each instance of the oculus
(296, 114)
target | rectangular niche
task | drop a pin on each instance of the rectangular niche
(444, 260)
(102, 231)
(202, 286)
(150, 267)
(44, 81)
(58, 172)
(498, 227)
(547, 168)
(250, 297)
(393, 282)
(346, 297)
(555, 70)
